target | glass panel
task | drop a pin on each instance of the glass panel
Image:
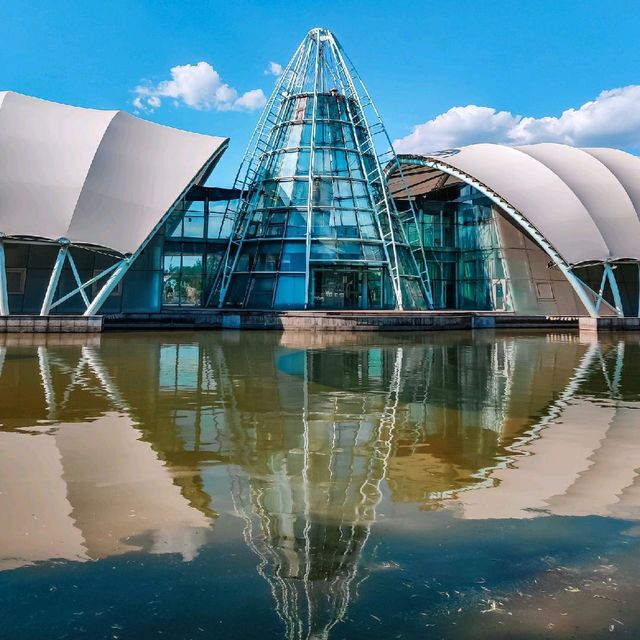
(175, 227)
(368, 228)
(349, 251)
(300, 192)
(288, 166)
(191, 280)
(193, 226)
(303, 163)
(171, 285)
(321, 224)
(345, 224)
(323, 250)
(374, 252)
(336, 137)
(290, 292)
(261, 292)
(215, 226)
(247, 257)
(294, 135)
(340, 163)
(297, 227)
(293, 256)
(322, 192)
(268, 256)
(237, 290)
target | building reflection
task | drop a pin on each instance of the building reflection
(77, 481)
(120, 443)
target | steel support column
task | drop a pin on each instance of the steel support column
(53, 280)
(113, 281)
(613, 283)
(4, 291)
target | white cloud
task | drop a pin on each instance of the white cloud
(198, 86)
(612, 119)
(273, 69)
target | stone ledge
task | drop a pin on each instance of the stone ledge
(51, 324)
(609, 323)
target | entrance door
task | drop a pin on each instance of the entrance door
(337, 289)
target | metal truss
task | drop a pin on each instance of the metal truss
(88, 365)
(591, 300)
(385, 206)
(4, 290)
(117, 271)
(248, 176)
(318, 60)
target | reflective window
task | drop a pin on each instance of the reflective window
(290, 292)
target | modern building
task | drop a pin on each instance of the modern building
(102, 212)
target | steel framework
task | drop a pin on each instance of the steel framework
(591, 300)
(115, 271)
(318, 61)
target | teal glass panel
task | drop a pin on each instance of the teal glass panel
(193, 226)
(345, 224)
(373, 252)
(290, 292)
(260, 292)
(321, 224)
(368, 227)
(293, 256)
(323, 250)
(237, 290)
(297, 225)
(350, 251)
(302, 168)
(300, 192)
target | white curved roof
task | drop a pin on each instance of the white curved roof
(94, 177)
(585, 202)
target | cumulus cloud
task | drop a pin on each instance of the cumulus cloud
(273, 69)
(612, 119)
(197, 86)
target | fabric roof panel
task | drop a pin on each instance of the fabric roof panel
(599, 191)
(102, 178)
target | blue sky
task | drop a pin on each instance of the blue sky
(420, 60)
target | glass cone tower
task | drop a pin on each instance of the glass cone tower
(315, 226)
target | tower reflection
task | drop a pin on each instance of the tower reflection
(127, 442)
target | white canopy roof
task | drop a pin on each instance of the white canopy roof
(585, 202)
(93, 177)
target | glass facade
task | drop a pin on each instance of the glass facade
(465, 260)
(195, 240)
(313, 224)
(315, 227)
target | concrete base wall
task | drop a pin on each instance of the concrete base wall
(334, 320)
(595, 325)
(51, 324)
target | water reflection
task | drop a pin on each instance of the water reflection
(145, 441)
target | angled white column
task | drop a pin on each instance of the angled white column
(54, 279)
(117, 275)
(4, 291)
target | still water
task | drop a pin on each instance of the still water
(264, 485)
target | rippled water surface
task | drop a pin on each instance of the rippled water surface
(265, 485)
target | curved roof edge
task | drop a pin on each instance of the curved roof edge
(583, 202)
(97, 178)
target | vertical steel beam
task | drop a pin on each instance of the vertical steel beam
(53, 280)
(113, 281)
(617, 300)
(4, 291)
(312, 153)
